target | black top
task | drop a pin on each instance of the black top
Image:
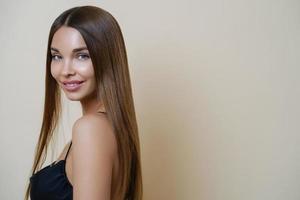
(51, 182)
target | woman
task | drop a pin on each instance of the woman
(86, 58)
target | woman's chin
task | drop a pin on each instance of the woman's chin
(73, 99)
(73, 96)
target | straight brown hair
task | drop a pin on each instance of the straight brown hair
(103, 37)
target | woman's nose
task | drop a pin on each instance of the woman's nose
(67, 68)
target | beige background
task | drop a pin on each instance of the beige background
(216, 89)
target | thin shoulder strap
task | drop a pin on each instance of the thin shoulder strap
(68, 150)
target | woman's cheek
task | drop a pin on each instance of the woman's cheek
(54, 71)
(86, 70)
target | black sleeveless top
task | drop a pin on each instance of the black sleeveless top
(51, 182)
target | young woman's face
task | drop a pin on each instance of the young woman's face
(71, 66)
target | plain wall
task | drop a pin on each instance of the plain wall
(216, 91)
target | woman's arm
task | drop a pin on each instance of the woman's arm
(94, 149)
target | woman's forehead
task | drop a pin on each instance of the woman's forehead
(67, 39)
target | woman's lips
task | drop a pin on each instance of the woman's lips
(71, 87)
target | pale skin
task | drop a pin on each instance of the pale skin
(92, 162)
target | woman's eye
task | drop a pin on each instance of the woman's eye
(80, 56)
(84, 56)
(53, 57)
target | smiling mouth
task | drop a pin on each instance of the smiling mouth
(72, 86)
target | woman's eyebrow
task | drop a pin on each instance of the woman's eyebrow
(74, 50)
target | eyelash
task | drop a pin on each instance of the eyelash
(84, 55)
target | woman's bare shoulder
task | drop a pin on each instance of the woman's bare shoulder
(92, 120)
(94, 152)
(95, 127)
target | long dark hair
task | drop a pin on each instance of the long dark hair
(105, 43)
